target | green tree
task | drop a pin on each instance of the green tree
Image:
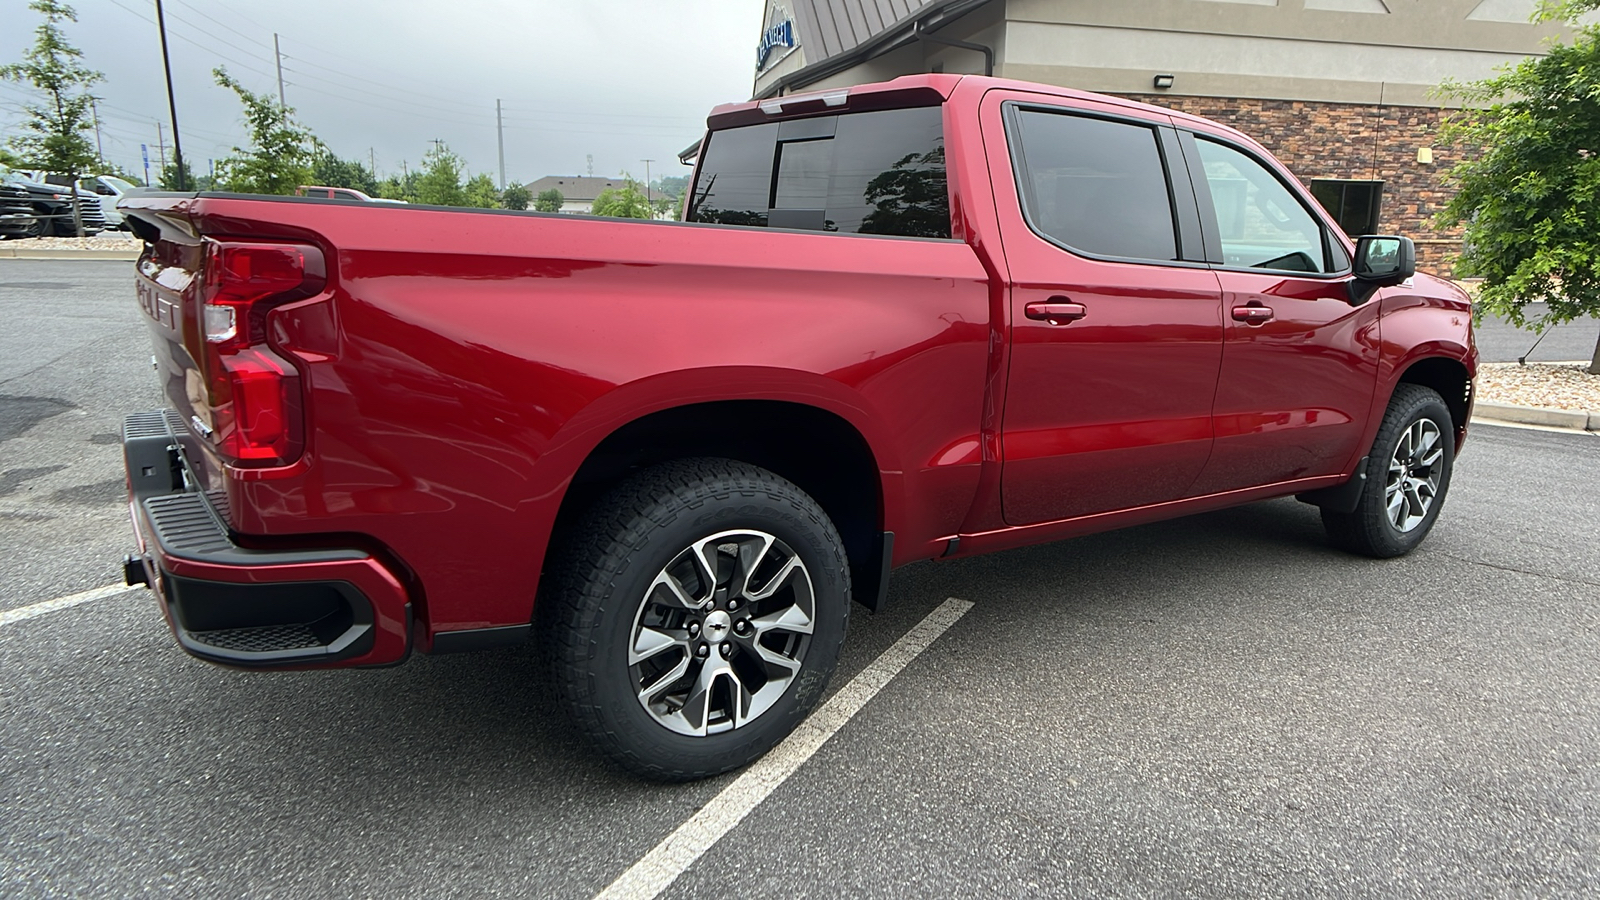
(329, 170)
(672, 185)
(56, 137)
(1529, 189)
(399, 187)
(169, 178)
(440, 181)
(517, 196)
(281, 150)
(549, 201)
(627, 202)
(481, 192)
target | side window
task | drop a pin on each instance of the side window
(866, 173)
(735, 183)
(1261, 224)
(1095, 185)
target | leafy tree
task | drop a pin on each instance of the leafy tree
(57, 138)
(549, 201)
(628, 202)
(481, 192)
(1529, 190)
(329, 170)
(440, 181)
(169, 180)
(517, 196)
(671, 185)
(400, 187)
(281, 150)
(669, 208)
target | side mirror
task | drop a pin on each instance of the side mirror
(1381, 261)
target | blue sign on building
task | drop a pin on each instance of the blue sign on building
(779, 35)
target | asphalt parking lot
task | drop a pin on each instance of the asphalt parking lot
(1216, 706)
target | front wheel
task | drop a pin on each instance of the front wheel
(695, 617)
(1407, 477)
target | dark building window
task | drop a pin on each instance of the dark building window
(1354, 204)
(865, 173)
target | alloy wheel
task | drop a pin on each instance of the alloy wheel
(721, 632)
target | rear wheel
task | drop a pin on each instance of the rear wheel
(1407, 477)
(695, 617)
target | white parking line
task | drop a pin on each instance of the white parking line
(677, 852)
(10, 616)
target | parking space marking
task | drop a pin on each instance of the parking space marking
(10, 616)
(678, 851)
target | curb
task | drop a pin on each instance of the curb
(65, 253)
(1577, 420)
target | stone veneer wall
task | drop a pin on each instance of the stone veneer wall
(1352, 141)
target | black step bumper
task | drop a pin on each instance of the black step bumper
(247, 607)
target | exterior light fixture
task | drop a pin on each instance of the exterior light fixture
(1163, 81)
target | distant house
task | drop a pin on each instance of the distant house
(577, 191)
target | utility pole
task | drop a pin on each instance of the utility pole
(97, 149)
(647, 197)
(372, 163)
(500, 131)
(590, 158)
(172, 104)
(161, 153)
(278, 55)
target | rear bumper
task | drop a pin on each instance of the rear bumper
(244, 607)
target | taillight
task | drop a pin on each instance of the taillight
(254, 394)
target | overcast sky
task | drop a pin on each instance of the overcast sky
(624, 80)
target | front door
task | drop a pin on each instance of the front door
(1299, 363)
(1116, 338)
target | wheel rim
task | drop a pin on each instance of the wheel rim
(721, 632)
(1415, 469)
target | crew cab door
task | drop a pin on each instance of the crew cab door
(1115, 319)
(1299, 362)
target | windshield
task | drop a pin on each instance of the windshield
(118, 183)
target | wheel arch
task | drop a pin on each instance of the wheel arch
(1451, 380)
(821, 444)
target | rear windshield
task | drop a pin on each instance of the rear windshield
(859, 173)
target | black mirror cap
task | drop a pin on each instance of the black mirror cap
(1385, 260)
(1381, 261)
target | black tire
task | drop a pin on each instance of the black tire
(40, 226)
(606, 581)
(1372, 529)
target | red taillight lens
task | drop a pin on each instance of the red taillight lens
(254, 394)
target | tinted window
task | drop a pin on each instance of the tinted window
(870, 173)
(1095, 185)
(1262, 224)
(735, 183)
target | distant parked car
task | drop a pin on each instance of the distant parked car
(16, 212)
(52, 204)
(110, 189)
(324, 192)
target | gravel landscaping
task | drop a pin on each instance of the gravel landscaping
(105, 240)
(1545, 385)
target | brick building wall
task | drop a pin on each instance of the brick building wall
(1352, 142)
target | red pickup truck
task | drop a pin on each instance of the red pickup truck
(925, 319)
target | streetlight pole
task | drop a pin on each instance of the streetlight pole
(647, 197)
(172, 104)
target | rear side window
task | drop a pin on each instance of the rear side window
(860, 173)
(1095, 185)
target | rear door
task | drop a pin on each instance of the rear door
(1116, 328)
(1299, 363)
